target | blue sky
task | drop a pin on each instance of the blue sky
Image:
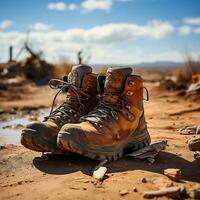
(110, 31)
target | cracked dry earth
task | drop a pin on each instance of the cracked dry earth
(69, 177)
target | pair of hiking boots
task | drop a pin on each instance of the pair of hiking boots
(102, 117)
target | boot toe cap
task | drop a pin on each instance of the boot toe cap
(34, 133)
(70, 134)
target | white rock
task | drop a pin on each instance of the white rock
(99, 173)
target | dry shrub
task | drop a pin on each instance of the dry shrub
(184, 74)
(62, 69)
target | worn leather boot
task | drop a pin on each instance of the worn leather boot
(117, 125)
(81, 91)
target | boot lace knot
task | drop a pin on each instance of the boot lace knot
(105, 111)
(73, 106)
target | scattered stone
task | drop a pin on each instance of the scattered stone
(149, 152)
(135, 189)
(172, 192)
(84, 188)
(19, 182)
(187, 130)
(143, 180)
(100, 171)
(74, 188)
(123, 192)
(28, 181)
(173, 174)
(194, 144)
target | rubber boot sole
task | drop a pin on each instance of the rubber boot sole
(66, 141)
(32, 140)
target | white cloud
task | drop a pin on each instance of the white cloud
(185, 30)
(192, 20)
(60, 6)
(5, 24)
(72, 6)
(85, 6)
(40, 27)
(104, 40)
(90, 5)
(197, 30)
(123, 32)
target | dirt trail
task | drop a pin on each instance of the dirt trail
(69, 177)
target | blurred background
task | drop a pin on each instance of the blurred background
(43, 39)
(141, 33)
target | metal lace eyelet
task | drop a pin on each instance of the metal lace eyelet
(118, 136)
(128, 107)
(129, 93)
(130, 117)
(131, 83)
(69, 120)
(116, 117)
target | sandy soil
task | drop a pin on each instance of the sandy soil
(27, 96)
(22, 176)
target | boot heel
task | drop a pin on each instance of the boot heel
(138, 141)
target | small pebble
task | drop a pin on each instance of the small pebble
(19, 182)
(123, 192)
(144, 180)
(173, 174)
(99, 173)
(135, 189)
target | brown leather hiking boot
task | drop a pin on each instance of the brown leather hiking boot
(117, 125)
(81, 91)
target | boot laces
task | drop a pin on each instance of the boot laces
(106, 111)
(73, 105)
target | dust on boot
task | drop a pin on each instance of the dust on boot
(116, 125)
(81, 91)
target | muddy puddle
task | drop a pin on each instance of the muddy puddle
(10, 128)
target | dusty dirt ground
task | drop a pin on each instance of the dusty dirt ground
(22, 176)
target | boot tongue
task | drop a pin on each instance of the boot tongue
(77, 74)
(115, 78)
